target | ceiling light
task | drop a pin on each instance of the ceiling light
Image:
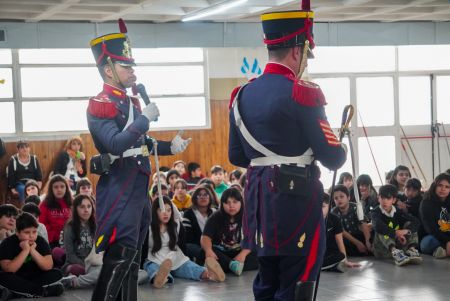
(212, 10)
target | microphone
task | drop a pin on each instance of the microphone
(140, 88)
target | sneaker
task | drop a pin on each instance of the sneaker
(54, 289)
(340, 267)
(162, 274)
(399, 257)
(67, 282)
(5, 294)
(439, 253)
(215, 271)
(236, 267)
(414, 255)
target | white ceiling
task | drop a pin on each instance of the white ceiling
(175, 10)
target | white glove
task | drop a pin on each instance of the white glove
(151, 111)
(179, 144)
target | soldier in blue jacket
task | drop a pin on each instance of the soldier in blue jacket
(278, 129)
(118, 127)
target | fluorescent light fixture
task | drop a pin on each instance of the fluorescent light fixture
(212, 10)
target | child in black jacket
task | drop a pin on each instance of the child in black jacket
(395, 230)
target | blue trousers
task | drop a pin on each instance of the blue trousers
(428, 244)
(188, 270)
(278, 276)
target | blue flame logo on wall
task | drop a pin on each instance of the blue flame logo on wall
(252, 72)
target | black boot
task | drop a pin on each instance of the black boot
(304, 291)
(116, 264)
(130, 283)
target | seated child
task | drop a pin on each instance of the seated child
(356, 233)
(165, 258)
(335, 258)
(36, 212)
(79, 232)
(395, 230)
(26, 262)
(194, 220)
(181, 199)
(414, 196)
(84, 186)
(222, 236)
(218, 177)
(8, 214)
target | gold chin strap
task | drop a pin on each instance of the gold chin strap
(304, 58)
(113, 69)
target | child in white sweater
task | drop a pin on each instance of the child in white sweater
(165, 258)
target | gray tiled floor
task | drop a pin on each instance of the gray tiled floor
(381, 281)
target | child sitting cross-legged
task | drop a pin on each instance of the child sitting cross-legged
(395, 231)
(165, 258)
(335, 258)
(356, 233)
(222, 236)
(26, 262)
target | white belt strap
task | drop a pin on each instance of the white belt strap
(270, 157)
(303, 160)
(132, 151)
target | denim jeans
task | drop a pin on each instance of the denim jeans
(188, 270)
(20, 188)
(428, 244)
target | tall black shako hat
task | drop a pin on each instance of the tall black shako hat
(289, 28)
(115, 46)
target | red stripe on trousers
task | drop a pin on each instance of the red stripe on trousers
(312, 258)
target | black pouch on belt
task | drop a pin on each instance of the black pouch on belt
(294, 180)
(100, 164)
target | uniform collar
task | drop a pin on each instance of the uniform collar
(114, 91)
(277, 68)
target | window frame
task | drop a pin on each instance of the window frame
(18, 100)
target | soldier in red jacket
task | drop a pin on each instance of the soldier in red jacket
(278, 129)
(118, 127)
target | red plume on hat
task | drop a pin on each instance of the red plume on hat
(123, 27)
(306, 5)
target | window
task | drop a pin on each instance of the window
(443, 99)
(414, 98)
(337, 94)
(352, 59)
(60, 82)
(191, 111)
(39, 116)
(383, 148)
(56, 56)
(7, 117)
(172, 80)
(423, 57)
(5, 57)
(6, 87)
(168, 55)
(375, 99)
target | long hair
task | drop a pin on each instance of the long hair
(431, 193)
(399, 168)
(75, 221)
(237, 195)
(50, 199)
(156, 230)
